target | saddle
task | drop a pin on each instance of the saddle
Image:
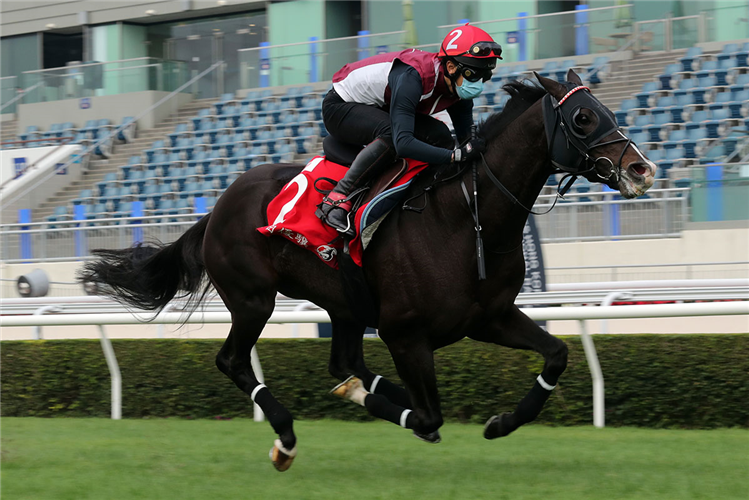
(291, 213)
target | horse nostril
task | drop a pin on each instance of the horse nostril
(640, 168)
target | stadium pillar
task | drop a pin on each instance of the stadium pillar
(581, 30)
(200, 206)
(362, 44)
(24, 217)
(264, 65)
(522, 37)
(313, 76)
(137, 211)
(714, 177)
(79, 214)
(612, 226)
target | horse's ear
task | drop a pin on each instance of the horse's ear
(573, 78)
(552, 86)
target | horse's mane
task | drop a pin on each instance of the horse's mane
(522, 97)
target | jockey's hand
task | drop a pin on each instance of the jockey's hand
(470, 151)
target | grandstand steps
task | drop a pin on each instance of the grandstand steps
(626, 77)
(98, 168)
(8, 130)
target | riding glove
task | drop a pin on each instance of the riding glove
(471, 150)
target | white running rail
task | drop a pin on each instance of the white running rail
(580, 314)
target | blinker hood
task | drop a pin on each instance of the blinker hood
(568, 145)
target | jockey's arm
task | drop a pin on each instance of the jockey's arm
(461, 114)
(405, 87)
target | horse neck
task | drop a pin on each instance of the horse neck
(519, 158)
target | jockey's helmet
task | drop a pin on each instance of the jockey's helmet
(473, 50)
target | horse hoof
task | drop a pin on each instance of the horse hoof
(432, 437)
(281, 457)
(352, 389)
(497, 426)
(347, 387)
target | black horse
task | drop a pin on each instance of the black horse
(420, 268)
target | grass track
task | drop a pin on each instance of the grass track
(80, 459)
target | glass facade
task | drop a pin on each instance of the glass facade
(201, 44)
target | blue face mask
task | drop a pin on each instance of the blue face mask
(469, 90)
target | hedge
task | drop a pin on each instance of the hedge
(687, 381)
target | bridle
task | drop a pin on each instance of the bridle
(571, 151)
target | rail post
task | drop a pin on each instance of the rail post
(114, 371)
(599, 398)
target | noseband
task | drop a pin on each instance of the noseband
(570, 151)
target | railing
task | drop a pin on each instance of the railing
(559, 34)
(604, 215)
(580, 314)
(593, 216)
(9, 90)
(9, 107)
(312, 61)
(106, 78)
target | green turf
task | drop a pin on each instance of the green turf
(167, 459)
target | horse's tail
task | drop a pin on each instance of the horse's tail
(149, 276)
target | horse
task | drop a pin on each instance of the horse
(420, 268)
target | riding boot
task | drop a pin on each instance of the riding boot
(335, 208)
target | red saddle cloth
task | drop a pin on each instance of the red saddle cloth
(291, 213)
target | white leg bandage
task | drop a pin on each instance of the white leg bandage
(255, 391)
(374, 383)
(404, 417)
(543, 383)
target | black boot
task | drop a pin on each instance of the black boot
(370, 161)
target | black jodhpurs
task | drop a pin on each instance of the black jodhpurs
(360, 124)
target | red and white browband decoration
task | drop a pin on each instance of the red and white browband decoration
(581, 87)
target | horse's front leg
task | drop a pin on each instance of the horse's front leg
(347, 359)
(514, 329)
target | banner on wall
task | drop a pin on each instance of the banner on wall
(535, 275)
(19, 166)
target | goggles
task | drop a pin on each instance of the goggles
(474, 74)
(484, 49)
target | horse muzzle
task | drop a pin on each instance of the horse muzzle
(636, 178)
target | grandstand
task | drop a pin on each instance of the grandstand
(685, 102)
(202, 149)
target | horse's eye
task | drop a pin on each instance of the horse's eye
(581, 120)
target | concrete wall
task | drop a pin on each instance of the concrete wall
(23, 16)
(696, 245)
(113, 107)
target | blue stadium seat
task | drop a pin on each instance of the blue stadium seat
(688, 62)
(642, 97)
(561, 71)
(717, 122)
(621, 114)
(597, 69)
(739, 106)
(675, 139)
(728, 51)
(741, 83)
(667, 75)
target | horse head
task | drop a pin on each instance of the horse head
(585, 140)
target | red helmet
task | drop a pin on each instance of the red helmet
(472, 48)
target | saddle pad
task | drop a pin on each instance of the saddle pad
(293, 211)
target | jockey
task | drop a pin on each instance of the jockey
(385, 101)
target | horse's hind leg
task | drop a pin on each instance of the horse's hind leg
(347, 358)
(518, 331)
(415, 364)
